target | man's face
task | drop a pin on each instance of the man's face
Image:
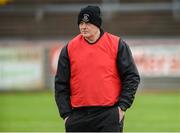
(88, 30)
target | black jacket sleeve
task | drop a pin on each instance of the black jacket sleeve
(62, 84)
(129, 75)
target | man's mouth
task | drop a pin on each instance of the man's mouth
(84, 32)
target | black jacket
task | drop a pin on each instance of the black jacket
(127, 70)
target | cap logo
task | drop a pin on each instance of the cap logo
(85, 18)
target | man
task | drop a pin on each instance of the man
(97, 79)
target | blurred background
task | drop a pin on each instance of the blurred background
(32, 33)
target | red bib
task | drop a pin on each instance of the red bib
(94, 77)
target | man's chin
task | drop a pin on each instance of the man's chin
(85, 35)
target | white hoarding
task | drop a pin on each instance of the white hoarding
(157, 58)
(21, 68)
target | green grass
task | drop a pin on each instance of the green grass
(35, 111)
(29, 111)
(154, 112)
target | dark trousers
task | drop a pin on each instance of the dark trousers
(94, 120)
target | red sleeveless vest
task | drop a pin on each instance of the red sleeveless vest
(94, 77)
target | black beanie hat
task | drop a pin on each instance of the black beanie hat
(90, 14)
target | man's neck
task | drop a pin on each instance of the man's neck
(93, 38)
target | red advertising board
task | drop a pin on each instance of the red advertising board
(54, 56)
